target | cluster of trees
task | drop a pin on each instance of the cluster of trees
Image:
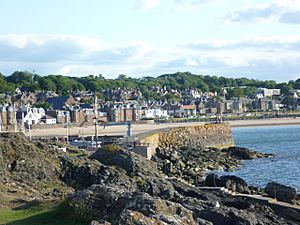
(27, 81)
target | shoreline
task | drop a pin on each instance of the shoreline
(265, 122)
(144, 128)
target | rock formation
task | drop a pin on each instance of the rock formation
(118, 187)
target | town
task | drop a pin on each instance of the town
(23, 109)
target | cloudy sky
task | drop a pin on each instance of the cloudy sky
(234, 38)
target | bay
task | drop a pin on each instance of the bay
(283, 141)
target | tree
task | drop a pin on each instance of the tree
(47, 84)
(6, 87)
(44, 105)
(20, 77)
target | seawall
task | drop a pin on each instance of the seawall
(210, 135)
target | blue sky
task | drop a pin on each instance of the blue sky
(233, 38)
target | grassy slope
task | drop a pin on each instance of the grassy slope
(39, 215)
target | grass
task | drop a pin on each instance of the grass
(41, 214)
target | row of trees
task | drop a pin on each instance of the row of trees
(27, 81)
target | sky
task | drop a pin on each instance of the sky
(257, 39)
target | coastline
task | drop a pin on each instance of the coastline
(265, 122)
(142, 128)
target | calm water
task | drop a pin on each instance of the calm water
(284, 142)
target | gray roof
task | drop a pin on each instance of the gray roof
(58, 102)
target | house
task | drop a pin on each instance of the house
(264, 104)
(28, 116)
(62, 102)
(48, 119)
(43, 96)
(7, 117)
(25, 98)
(18, 91)
(121, 112)
(268, 92)
(181, 110)
(153, 112)
(61, 116)
(211, 106)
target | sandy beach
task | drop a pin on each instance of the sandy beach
(141, 128)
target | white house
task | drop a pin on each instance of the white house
(155, 113)
(27, 117)
(30, 115)
(149, 111)
(48, 120)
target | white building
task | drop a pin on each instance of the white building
(48, 120)
(30, 115)
(269, 92)
(153, 112)
(156, 113)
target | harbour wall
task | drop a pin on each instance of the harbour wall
(209, 135)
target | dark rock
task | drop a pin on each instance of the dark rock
(245, 154)
(189, 191)
(132, 163)
(110, 203)
(129, 217)
(291, 214)
(233, 183)
(236, 184)
(238, 204)
(121, 187)
(228, 217)
(281, 192)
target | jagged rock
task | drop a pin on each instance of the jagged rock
(110, 202)
(83, 172)
(190, 163)
(127, 188)
(292, 214)
(134, 164)
(158, 187)
(129, 217)
(239, 204)
(236, 184)
(22, 159)
(281, 192)
(245, 154)
(228, 217)
(233, 183)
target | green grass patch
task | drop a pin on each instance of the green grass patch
(41, 214)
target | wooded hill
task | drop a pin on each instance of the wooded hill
(28, 81)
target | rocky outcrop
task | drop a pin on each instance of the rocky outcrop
(232, 183)
(281, 192)
(115, 186)
(159, 200)
(191, 164)
(21, 159)
(246, 154)
(120, 206)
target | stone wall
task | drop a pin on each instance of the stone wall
(210, 135)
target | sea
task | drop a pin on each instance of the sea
(283, 142)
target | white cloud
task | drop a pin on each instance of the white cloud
(179, 4)
(284, 11)
(257, 57)
(195, 2)
(148, 4)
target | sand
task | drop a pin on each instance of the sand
(141, 128)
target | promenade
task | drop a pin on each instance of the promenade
(142, 128)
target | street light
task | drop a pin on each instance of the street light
(96, 131)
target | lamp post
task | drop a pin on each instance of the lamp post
(96, 130)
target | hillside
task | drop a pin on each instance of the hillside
(27, 81)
